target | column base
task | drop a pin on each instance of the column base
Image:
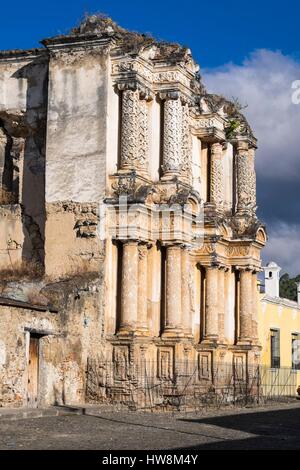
(188, 334)
(141, 331)
(173, 333)
(210, 341)
(244, 342)
(126, 331)
(170, 176)
(210, 338)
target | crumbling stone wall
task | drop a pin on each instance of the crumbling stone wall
(23, 110)
(68, 336)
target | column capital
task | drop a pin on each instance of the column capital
(216, 147)
(247, 268)
(167, 95)
(242, 145)
(134, 85)
(128, 242)
(131, 85)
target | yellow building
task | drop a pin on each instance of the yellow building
(279, 334)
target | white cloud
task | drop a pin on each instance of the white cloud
(264, 83)
(284, 248)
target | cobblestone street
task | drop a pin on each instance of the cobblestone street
(276, 427)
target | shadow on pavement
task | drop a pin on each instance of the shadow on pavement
(276, 429)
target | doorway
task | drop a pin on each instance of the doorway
(33, 371)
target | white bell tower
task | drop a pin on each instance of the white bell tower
(272, 271)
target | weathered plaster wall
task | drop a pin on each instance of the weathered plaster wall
(76, 127)
(14, 347)
(69, 339)
(113, 123)
(23, 105)
(76, 159)
(12, 237)
(72, 241)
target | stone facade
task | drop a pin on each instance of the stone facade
(134, 191)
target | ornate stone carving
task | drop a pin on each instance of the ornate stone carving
(206, 249)
(246, 178)
(129, 134)
(172, 150)
(217, 175)
(132, 66)
(186, 143)
(135, 129)
(171, 77)
(143, 135)
(121, 362)
(125, 185)
(165, 363)
(237, 250)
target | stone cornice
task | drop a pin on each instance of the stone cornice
(162, 77)
(65, 41)
(76, 45)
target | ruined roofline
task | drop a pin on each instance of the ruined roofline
(22, 53)
(97, 27)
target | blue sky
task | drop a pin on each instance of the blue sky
(217, 32)
(249, 50)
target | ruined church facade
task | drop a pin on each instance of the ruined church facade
(134, 192)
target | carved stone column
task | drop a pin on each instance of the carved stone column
(221, 303)
(129, 287)
(246, 304)
(246, 178)
(185, 291)
(134, 129)
(172, 135)
(173, 291)
(142, 324)
(252, 177)
(211, 304)
(254, 307)
(217, 180)
(186, 169)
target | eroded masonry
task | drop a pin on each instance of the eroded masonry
(129, 242)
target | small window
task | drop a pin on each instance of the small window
(296, 351)
(270, 275)
(275, 349)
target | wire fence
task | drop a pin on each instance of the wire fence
(146, 386)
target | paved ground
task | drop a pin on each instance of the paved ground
(276, 427)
